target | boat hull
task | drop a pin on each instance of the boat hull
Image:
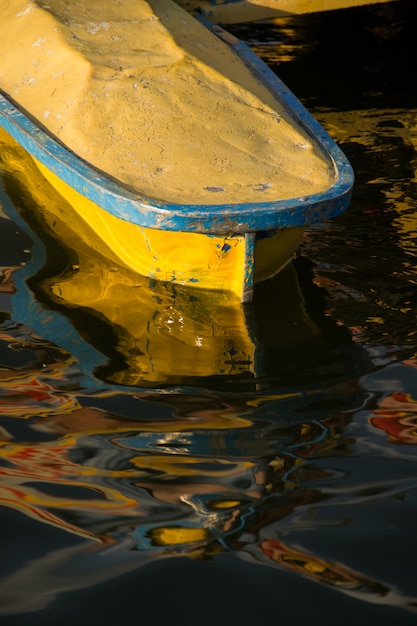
(227, 247)
(226, 262)
(121, 327)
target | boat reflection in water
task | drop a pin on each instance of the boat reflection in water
(126, 329)
(160, 422)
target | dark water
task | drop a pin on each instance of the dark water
(277, 493)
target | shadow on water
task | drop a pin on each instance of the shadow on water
(167, 457)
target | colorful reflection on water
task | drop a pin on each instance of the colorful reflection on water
(168, 458)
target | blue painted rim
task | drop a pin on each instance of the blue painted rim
(214, 218)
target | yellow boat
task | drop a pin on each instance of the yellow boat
(240, 11)
(180, 150)
(132, 331)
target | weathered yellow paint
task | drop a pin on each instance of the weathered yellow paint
(234, 12)
(144, 92)
(204, 261)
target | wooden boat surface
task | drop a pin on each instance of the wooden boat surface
(223, 246)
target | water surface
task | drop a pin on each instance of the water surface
(174, 461)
